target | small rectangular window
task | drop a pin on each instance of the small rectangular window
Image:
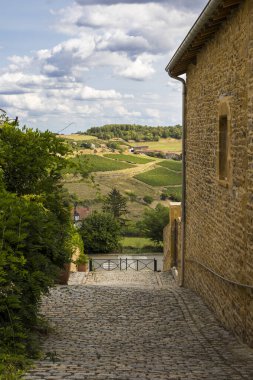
(223, 148)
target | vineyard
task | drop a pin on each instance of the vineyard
(160, 177)
(134, 159)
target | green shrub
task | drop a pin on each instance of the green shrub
(148, 199)
(100, 232)
(154, 221)
(35, 229)
(172, 193)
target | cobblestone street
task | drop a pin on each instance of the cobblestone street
(135, 326)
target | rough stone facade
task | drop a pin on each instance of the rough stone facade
(172, 238)
(219, 217)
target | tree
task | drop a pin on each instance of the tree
(35, 228)
(115, 203)
(153, 222)
(100, 232)
(31, 161)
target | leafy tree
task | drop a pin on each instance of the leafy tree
(100, 232)
(31, 160)
(115, 203)
(35, 229)
(135, 132)
(153, 222)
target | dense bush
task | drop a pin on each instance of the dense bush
(153, 222)
(100, 232)
(35, 229)
(148, 199)
(172, 193)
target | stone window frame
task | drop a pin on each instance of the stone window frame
(224, 111)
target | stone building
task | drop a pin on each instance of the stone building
(216, 258)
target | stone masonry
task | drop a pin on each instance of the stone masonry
(219, 218)
(135, 326)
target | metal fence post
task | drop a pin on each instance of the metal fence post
(120, 263)
(90, 265)
(137, 264)
(155, 265)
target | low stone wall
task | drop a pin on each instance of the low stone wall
(172, 238)
(179, 249)
(74, 258)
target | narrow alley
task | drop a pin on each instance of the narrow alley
(136, 325)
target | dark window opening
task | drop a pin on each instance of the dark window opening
(223, 148)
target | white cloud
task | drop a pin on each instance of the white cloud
(154, 113)
(139, 70)
(88, 93)
(110, 65)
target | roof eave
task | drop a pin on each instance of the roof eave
(177, 65)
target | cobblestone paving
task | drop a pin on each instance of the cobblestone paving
(136, 326)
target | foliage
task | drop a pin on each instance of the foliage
(75, 241)
(95, 163)
(171, 164)
(172, 193)
(31, 161)
(34, 232)
(113, 145)
(133, 159)
(160, 177)
(116, 204)
(138, 245)
(148, 199)
(82, 259)
(130, 229)
(86, 145)
(154, 221)
(79, 165)
(135, 132)
(100, 232)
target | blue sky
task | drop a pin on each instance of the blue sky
(91, 62)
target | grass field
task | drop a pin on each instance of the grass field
(86, 190)
(77, 137)
(134, 159)
(139, 245)
(160, 177)
(165, 145)
(101, 164)
(171, 164)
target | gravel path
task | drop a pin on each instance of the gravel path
(135, 326)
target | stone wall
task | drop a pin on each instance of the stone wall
(219, 218)
(166, 248)
(171, 238)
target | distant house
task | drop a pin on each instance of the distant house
(216, 257)
(79, 213)
(140, 148)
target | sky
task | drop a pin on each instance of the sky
(74, 64)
